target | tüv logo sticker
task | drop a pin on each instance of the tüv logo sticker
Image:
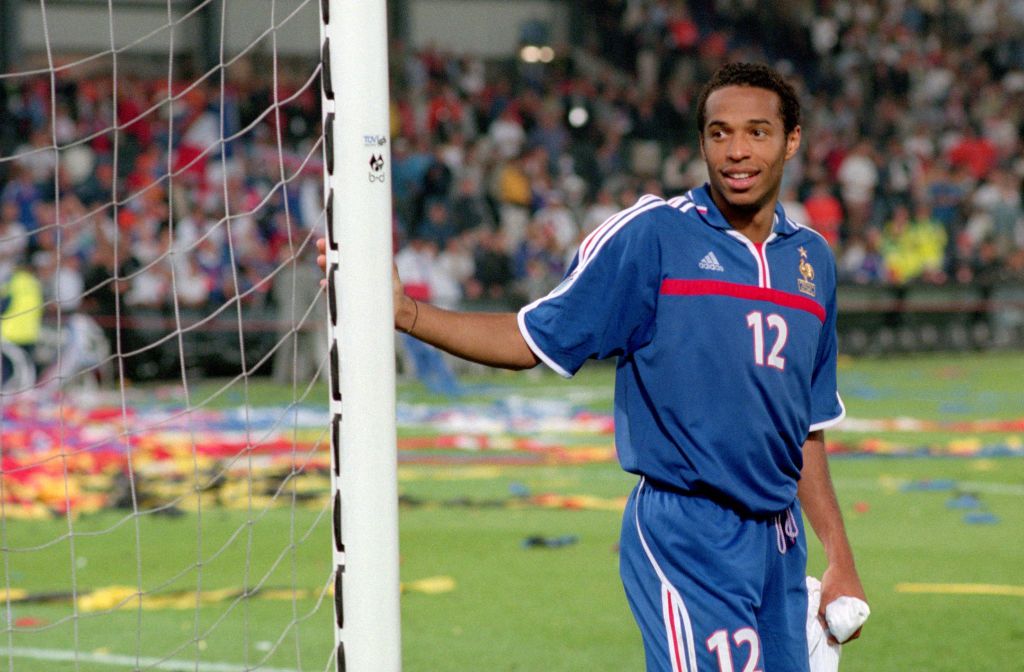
(374, 140)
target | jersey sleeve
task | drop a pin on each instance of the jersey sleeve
(604, 307)
(826, 406)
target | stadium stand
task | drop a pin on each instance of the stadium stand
(913, 110)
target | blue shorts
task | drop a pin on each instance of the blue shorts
(712, 590)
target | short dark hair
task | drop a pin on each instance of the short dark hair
(757, 75)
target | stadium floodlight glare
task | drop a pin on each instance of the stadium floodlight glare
(529, 53)
(578, 116)
(532, 53)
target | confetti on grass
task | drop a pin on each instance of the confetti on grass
(72, 458)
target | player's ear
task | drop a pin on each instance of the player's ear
(792, 142)
(700, 143)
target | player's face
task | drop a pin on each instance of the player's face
(746, 146)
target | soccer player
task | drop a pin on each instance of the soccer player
(721, 312)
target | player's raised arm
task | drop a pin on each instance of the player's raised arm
(493, 339)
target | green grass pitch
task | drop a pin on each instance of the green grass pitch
(524, 609)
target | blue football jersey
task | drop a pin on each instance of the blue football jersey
(726, 348)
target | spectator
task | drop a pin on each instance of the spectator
(932, 241)
(428, 284)
(974, 152)
(416, 262)
(494, 272)
(987, 265)
(999, 198)
(913, 248)
(673, 169)
(469, 207)
(435, 186)
(13, 235)
(21, 313)
(794, 209)
(901, 174)
(538, 262)
(60, 272)
(862, 261)
(37, 156)
(824, 213)
(858, 178)
(514, 195)
(456, 262)
(24, 193)
(98, 186)
(550, 133)
(558, 220)
(301, 312)
(445, 113)
(150, 286)
(437, 227)
(947, 195)
(603, 207)
(191, 290)
(507, 133)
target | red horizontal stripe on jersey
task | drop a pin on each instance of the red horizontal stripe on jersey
(717, 287)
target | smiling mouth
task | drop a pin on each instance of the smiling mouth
(740, 180)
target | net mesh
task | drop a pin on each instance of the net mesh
(165, 465)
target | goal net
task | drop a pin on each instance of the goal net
(167, 403)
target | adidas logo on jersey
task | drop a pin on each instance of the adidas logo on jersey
(710, 263)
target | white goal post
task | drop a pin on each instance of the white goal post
(358, 196)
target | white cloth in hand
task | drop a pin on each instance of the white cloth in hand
(824, 654)
(845, 615)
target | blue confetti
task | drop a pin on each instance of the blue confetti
(963, 502)
(937, 485)
(981, 518)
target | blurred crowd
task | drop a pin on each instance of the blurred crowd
(203, 194)
(910, 164)
(163, 191)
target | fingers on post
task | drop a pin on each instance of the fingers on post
(321, 259)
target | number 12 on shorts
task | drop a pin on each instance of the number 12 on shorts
(718, 644)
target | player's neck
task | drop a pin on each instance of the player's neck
(755, 225)
(755, 232)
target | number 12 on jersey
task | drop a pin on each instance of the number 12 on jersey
(759, 323)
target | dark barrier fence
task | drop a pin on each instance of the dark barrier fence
(153, 343)
(915, 318)
(873, 320)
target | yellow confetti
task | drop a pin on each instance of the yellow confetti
(482, 473)
(106, 599)
(961, 589)
(430, 586)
